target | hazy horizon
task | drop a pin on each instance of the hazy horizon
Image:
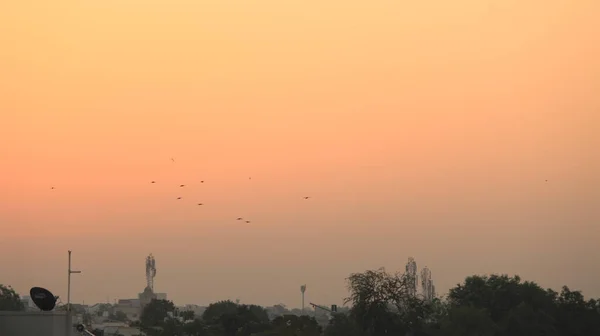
(463, 134)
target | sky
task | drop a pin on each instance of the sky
(462, 133)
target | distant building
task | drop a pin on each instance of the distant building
(130, 307)
(161, 296)
(145, 297)
(28, 303)
(95, 309)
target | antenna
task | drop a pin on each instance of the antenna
(43, 298)
(426, 284)
(150, 272)
(69, 283)
(411, 273)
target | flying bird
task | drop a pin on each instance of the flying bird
(306, 197)
(239, 218)
(247, 222)
(202, 181)
(200, 203)
(51, 187)
(153, 182)
(181, 185)
(178, 197)
(172, 159)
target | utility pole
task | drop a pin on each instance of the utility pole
(69, 284)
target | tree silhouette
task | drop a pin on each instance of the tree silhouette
(10, 300)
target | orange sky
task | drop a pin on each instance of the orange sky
(421, 128)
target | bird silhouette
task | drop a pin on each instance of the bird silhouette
(51, 187)
(247, 222)
(153, 182)
(202, 181)
(200, 203)
(172, 159)
(239, 218)
(181, 185)
(178, 197)
(306, 197)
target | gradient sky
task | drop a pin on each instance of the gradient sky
(420, 128)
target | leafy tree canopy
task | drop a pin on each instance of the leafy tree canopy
(10, 300)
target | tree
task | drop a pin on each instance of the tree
(342, 325)
(294, 325)
(277, 310)
(187, 315)
(195, 328)
(382, 303)
(231, 319)
(155, 316)
(246, 320)
(576, 316)
(259, 312)
(499, 294)
(119, 316)
(524, 320)
(215, 310)
(518, 308)
(466, 321)
(10, 300)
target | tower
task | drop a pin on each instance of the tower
(302, 290)
(427, 284)
(411, 276)
(150, 272)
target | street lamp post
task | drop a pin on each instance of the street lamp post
(69, 283)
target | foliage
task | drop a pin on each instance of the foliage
(215, 310)
(10, 300)
(119, 316)
(342, 324)
(244, 320)
(155, 317)
(187, 315)
(381, 304)
(495, 305)
(505, 306)
(294, 325)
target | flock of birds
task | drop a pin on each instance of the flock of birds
(201, 204)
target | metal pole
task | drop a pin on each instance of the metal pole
(69, 284)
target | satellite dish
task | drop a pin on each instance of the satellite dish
(43, 298)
